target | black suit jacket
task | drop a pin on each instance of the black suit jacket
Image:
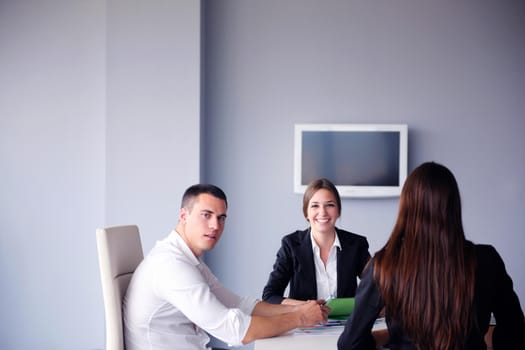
(493, 294)
(295, 265)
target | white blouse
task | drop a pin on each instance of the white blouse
(326, 277)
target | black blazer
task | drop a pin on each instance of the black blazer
(493, 294)
(295, 265)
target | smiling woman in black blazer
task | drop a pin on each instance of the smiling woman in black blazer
(321, 261)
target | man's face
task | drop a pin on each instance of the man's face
(203, 223)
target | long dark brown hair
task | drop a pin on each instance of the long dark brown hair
(426, 270)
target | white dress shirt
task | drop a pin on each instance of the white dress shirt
(174, 299)
(326, 277)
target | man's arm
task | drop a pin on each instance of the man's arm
(269, 320)
(291, 301)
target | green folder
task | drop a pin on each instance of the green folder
(340, 307)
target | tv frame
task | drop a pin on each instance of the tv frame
(352, 190)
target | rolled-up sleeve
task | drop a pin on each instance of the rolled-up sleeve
(197, 293)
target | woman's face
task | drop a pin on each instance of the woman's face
(322, 211)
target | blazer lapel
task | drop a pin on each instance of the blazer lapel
(306, 257)
(342, 273)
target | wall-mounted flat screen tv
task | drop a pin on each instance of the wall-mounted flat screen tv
(362, 160)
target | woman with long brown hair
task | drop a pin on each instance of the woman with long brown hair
(438, 289)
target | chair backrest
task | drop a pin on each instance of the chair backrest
(119, 254)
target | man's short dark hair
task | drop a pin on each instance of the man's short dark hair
(193, 191)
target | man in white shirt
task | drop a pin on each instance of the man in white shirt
(174, 300)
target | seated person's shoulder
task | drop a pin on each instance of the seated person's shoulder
(296, 237)
(489, 264)
(486, 253)
(352, 237)
(169, 262)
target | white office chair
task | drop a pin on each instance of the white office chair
(119, 254)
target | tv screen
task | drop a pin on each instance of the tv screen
(362, 160)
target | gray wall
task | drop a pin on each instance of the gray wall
(100, 122)
(99, 125)
(453, 71)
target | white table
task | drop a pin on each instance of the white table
(326, 338)
(308, 339)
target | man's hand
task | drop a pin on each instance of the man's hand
(269, 320)
(313, 312)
